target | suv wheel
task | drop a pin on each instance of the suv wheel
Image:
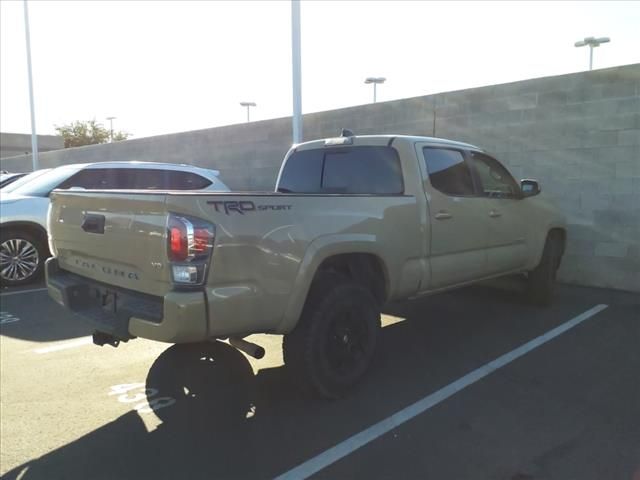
(22, 258)
(333, 344)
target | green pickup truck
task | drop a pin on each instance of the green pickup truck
(354, 222)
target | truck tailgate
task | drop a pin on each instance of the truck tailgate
(115, 238)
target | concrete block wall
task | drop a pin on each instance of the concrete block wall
(12, 144)
(578, 134)
(248, 154)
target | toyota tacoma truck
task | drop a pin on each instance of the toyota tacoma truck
(354, 222)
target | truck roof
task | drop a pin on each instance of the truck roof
(386, 138)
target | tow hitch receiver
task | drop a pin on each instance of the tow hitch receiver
(100, 339)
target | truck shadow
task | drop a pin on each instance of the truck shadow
(225, 423)
(37, 318)
(229, 423)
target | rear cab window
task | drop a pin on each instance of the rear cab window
(364, 170)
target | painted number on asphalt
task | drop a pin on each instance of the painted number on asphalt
(6, 317)
(138, 394)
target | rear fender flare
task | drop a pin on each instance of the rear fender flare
(318, 251)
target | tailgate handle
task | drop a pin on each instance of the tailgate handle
(93, 223)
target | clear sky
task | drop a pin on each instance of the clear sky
(163, 67)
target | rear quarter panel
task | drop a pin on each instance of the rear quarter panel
(268, 247)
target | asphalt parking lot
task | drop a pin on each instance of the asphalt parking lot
(565, 409)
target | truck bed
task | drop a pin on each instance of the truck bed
(265, 246)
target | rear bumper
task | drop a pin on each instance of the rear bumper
(178, 317)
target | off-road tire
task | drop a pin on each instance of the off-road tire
(333, 344)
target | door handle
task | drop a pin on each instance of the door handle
(494, 214)
(442, 215)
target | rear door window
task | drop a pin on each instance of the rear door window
(159, 179)
(368, 170)
(93, 179)
(448, 171)
(144, 178)
(178, 180)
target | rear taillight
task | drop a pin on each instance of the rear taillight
(189, 245)
(178, 242)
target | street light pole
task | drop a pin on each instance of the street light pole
(248, 105)
(375, 81)
(296, 71)
(34, 137)
(592, 43)
(111, 127)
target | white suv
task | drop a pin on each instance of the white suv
(23, 209)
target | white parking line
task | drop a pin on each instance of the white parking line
(22, 291)
(350, 445)
(65, 345)
(7, 318)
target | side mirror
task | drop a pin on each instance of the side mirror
(529, 187)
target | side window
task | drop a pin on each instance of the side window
(178, 180)
(448, 172)
(495, 178)
(135, 179)
(92, 179)
(144, 178)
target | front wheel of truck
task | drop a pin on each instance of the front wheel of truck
(333, 344)
(541, 280)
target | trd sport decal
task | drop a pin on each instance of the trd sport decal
(243, 206)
